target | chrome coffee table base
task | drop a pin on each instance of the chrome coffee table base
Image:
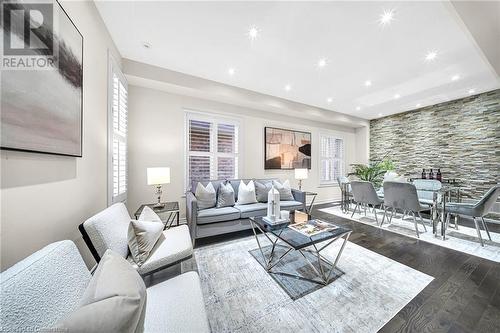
(324, 267)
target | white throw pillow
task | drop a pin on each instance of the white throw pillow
(148, 214)
(205, 196)
(246, 193)
(142, 237)
(285, 190)
(114, 301)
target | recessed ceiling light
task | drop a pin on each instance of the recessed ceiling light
(253, 33)
(288, 87)
(329, 100)
(321, 63)
(358, 108)
(380, 114)
(472, 91)
(231, 71)
(418, 105)
(455, 77)
(368, 83)
(431, 55)
(397, 96)
(146, 45)
(386, 17)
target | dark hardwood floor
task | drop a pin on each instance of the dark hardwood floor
(463, 297)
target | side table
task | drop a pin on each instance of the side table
(313, 195)
(168, 214)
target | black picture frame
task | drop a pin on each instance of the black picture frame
(272, 166)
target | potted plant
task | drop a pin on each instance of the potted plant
(374, 172)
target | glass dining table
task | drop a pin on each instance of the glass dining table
(437, 208)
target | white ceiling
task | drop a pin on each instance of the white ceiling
(205, 39)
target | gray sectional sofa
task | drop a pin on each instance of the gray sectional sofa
(216, 221)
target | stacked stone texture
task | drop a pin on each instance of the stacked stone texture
(460, 137)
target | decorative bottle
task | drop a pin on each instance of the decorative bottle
(439, 176)
(273, 204)
(423, 174)
(431, 174)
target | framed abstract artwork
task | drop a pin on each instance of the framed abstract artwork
(42, 105)
(286, 149)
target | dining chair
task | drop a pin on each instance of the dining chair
(341, 180)
(425, 192)
(403, 197)
(475, 210)
(365, 195)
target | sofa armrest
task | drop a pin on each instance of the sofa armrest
(300, 196)
(191, 213)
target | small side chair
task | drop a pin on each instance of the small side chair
(477, 210)
(365, 195)
(403, 197)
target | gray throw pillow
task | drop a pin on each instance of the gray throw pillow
(262, 190)
(114, 301)
(225, 196)
(205, 195)
(142, 237)
(285, 190)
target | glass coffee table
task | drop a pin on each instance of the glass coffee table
(296, 241)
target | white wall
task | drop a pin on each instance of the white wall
(156, 138)
(44, 197)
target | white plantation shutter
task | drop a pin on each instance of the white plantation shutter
(331, 159)
(212, 148)
(118, 135)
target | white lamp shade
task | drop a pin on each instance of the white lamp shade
(157, 176)
(300, 174)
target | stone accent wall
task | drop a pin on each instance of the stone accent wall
(460, 137)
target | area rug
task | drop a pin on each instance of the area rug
(464, 239)
(240, 296)
(293, 273)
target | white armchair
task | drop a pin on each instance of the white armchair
(108, 230)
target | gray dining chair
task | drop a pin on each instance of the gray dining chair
(341, 180)
(403, 197)
(364, 194)
(475, 210)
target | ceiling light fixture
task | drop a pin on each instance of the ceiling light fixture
(386, 17)
(380, 114)
(329, 100)
(431, 55)
(418, 105)
(288, 87)
(231, 71)
(368, 83)
(455, 77)
(146, 45)
(472, 91)
(253, 33)
(397, 96)
(321, 63)
(358, 108)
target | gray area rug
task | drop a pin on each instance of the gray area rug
(240, 296)
(293, 273)
(464, 239)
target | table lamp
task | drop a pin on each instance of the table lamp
(300, 174)
(157, 177)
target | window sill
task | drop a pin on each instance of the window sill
(328, 185)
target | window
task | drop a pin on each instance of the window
(331, 159)
(212, 148)
(117, 134)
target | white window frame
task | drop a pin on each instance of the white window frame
(332, 182)
(215, 120)
(114, 69)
